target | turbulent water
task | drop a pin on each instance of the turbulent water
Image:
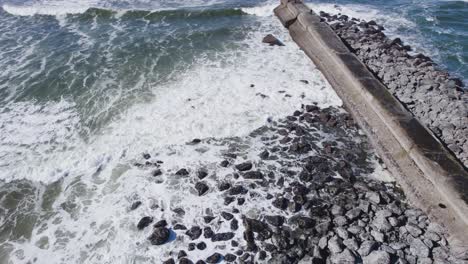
(87, 86)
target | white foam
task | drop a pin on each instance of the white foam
(65, 7)
(45, 9)
(212, 99)
(263, 11)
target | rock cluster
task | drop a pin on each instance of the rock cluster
(319, 205)
(435, 98)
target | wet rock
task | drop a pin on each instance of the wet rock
(280, 203)
(159, 236)
(182, 172)
(157, 172)
(179, 227)
(227, 216)
(224, 186)
(222, 237)
(144, 222)
(135, 205)
(179, 212)
(202, 174)
(161, 223)
(230, 257)
(228, 200)
(169, 261)
(234, 225)
(208, 232)
(185, 261)
(265, 154)
(191, 246)
(208, 219)
(272, 40)
(194, 232)
(244, 166)
(238, 189)
(274, 220)
(215, 258)
(181, 254)
(253, 175)
(201, 246)
(201, 188)
(224, 163)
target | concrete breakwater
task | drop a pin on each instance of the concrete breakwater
(430, 175)
(437, 100)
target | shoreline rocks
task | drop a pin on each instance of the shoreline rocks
(313, 200)
(438, 100)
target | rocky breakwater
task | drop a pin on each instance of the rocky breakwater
(298, 189)
(430, 93)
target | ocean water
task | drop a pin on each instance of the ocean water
(87, 86)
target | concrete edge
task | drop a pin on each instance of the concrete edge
(431, 177)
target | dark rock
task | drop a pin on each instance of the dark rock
(182, 172)
(144, 222)
(274, 220)
(201, 246)
(185, 261)
(208, 219)
(208, 232)
(169, 261)
(224, 163)
(146, 156)
(201, 188)
(281, 203)
(181, 254)
(135, 205)
(228, 200)
(215, 258)
(191, 246)
(179, 227)
(304, 222)
(238, 189)
(227, 216)
(161, 223)
(253, 175)
(159, 236)
(194, 232)
(157, 172)
(224, 186)
(234, 225)
(240, 201)
(202, 174)
(179, 211)
(244, 166)
(265, 154)
(230, 257)
(222, 237)
(272, 40)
